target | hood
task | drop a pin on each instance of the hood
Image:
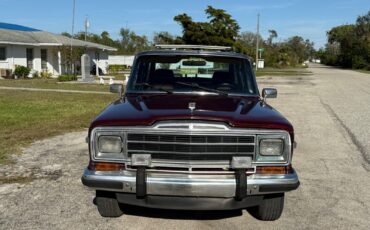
(236, 111)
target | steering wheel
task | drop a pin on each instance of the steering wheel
(225, 86)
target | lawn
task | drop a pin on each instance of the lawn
(120, 76)
(283, 72)
(52, 84)
(28, 116)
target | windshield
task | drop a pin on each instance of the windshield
(172, 74)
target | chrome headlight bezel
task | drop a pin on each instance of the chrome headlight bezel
(282, 158)
(97, 154)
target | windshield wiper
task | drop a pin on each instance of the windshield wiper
(156, 87)
(195, 85)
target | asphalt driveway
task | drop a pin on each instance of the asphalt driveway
(331, 115)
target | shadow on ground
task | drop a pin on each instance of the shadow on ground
(179, 214)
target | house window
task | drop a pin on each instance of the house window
(30, 58)
(2, 54)
(44, 59)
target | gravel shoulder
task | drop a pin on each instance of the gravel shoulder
(43, 189)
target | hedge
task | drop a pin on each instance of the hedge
(67, 78)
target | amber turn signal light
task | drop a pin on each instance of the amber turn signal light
(274, 169)
(100, 166)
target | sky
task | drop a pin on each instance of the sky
(310, 19)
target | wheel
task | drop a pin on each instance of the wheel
(107, 204)
(270, 209)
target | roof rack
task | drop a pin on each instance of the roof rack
(194, 47)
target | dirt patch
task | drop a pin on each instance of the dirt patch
(37, 162)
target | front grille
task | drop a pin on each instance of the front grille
(190, 147)
(190, 139)
(181, 148)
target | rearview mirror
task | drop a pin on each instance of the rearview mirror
(269, 93)
(194, 63)
(116, 88)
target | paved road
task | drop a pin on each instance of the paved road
(330, 112)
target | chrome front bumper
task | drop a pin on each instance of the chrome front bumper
(189, 185)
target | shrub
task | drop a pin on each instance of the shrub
(359, 62)
(116, 68)
(45, 74)
(35, 74)
(21, 71)
(67, 78)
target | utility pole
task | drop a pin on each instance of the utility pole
(257, 38)
(87, 25)
(73, 27)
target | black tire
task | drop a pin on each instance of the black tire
(270, 209)
(107, 204)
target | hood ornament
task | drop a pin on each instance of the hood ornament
(192, 106)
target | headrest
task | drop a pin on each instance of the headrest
(221, 77)
(162, 76)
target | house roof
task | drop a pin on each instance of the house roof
(21, 35)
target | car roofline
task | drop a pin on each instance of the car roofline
(193, 52)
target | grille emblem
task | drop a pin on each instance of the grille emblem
(192, 106)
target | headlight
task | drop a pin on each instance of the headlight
(271, 147)
(109, 146)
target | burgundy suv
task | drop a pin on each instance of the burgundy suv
(191, 131)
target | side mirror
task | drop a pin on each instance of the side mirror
(269, 93)
(116, 88)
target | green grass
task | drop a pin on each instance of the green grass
(27, 116)
(283, 72)
(119, 76)
(52, 84)
(363, 71)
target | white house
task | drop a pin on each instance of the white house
(43, 51)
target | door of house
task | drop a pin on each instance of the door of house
(29, 58)
(44, 59)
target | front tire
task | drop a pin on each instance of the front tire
(270, 209)
(107, 204)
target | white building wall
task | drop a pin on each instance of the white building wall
(52, 57)
(16, 55)
(121, 60)
(6, 64)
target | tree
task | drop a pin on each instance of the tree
(349, 45)
(361, 59)
(273, 34)
(246, 43)
(132, 43)
(66, 34)
(166, 38)
(105, 39)
(300, 49)
(221, 29)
